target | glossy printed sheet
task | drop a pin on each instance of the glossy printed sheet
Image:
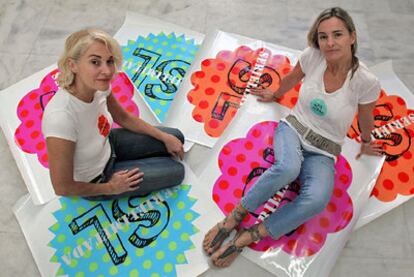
(244, 153)
(225, 69)
(155, 235)
(157, 55)
(24, 102)
(394, 129)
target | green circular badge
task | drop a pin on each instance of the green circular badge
(318, 107)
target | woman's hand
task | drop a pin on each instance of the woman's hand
(371, 149)
(264, 95)
(174, 146)
(125, 180)
(366, 125)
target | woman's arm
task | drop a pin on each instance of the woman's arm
(135, 124)
(286, 84)
(366, 125)
(61, 152)
(366, 120)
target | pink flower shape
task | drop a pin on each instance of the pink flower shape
(28, 135)
(243, 160)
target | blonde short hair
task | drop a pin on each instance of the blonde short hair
(77, 44)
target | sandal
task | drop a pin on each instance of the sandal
(254, 233)
(222, 232)
(232, 251)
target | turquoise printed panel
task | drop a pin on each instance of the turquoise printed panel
(156, 64)
(135, 236)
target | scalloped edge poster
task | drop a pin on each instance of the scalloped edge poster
(157, 54)
(23, 103)
(156, 235)
(243, 153)
(157, 64)
(21, 115)
(395, 131)
(28, 153)
(214, 89)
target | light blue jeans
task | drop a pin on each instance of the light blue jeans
(316, 174)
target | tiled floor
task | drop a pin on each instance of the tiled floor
(32, 35)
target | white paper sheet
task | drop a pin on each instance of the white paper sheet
(313, 248)
(395, 110)
(23, 104)
(210, 97)
(157, 55)
(73, 236)
(35, 175)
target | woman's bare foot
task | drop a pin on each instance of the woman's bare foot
(216, 235)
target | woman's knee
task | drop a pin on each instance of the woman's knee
(177, 173)
(316, 203)
(171, 171)
(178, 134)
(173, 131)
(161, 175)
(320, 205)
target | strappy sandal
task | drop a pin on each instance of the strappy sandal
(233, 249)
(224, 233)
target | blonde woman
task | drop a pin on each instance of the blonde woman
(85, 158)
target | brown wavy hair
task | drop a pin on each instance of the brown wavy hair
(349, 23)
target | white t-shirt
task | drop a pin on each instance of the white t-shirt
(86, 124)
(331, 114)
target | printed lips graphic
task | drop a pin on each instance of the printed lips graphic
(243, 160)
(103, 125)
(220, 85)
(397, 175)
(28, 135)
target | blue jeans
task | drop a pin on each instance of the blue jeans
(131, 150)
(316, 174)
